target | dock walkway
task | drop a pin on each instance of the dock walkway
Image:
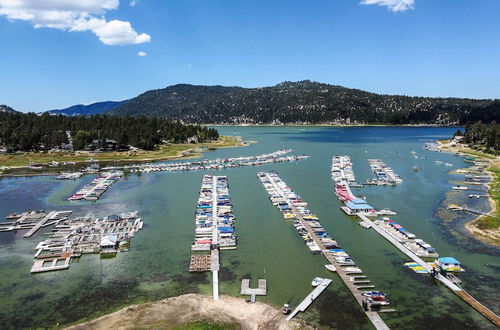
(39, 224)
(310, 298)
(447, 282)
(377, 321)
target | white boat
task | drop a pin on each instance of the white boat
(459, 188)
(352, 270)
(386, 211)
(317, 281)
(331, 268)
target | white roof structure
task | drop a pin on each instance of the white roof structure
(109, 240)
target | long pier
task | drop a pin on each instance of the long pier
(374, 317)
(409, 253)
(214, 228)
(449, 284)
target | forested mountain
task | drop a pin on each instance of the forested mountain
(6, 108)
(303, 102)
(88, 110)
(21, 131)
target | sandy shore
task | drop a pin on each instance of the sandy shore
(490, 236)
(189, 308)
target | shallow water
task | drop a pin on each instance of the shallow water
(268, 247)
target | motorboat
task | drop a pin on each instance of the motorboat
(373, 293)
(331, 268)
(352, 270)
(317, 281)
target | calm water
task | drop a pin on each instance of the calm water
(156, 266)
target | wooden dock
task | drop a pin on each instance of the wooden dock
(446, 281)
(310, 298)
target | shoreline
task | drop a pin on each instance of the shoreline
(189, 308)
(330, 125)
(488, 236)
(192, 153)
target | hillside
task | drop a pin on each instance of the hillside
(303, 102)
(88, 110)
(6, 108)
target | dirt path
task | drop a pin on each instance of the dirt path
(190, 308)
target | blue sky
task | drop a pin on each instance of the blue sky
(56, 54)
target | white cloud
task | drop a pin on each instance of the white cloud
(133, 3)
(75, 15)
(189, 65)
(141, 53)
(392, 5)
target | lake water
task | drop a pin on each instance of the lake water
(268, 247)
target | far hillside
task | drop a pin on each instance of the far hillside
(303, 102)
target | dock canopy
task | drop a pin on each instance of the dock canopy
(354, 206)
(449, 260)
(108, 241)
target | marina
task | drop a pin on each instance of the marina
(71, 238)
(268, 247)
(415, 248)
(385, 174)
(278, 156)
(319, 241)
(97, 187)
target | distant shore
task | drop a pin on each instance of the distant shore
(330, 125)
(484, 227)
(189, 308)
(18, 164)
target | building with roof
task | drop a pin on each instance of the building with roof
(449, 264)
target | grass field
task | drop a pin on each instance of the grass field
(166, 151)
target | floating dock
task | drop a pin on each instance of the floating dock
(278, 156)
(385, 174)
(97, 187)
(71, 238)
(261, 290)
(33, 221)
(310, 298)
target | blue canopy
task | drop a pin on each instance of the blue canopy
(449, 260)
(354, 206)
